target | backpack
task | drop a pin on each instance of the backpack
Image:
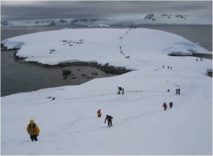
(109, 117)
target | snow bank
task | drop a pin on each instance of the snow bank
(12, 45)
(69, 124)
(185, 48)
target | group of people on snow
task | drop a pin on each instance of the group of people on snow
(165, 105)
(168, 67)
(108, 118)
(33, 129)
(178, 91)
(201, 59)
(126, 56)
(120, 90)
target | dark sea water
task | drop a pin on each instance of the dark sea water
(22, 77)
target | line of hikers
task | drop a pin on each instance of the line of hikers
(168, 67)
(126, 56)
(33, 129)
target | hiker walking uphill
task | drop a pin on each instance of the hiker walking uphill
(164, 106)
(99, 113)
(170, 104)
(109, 119)
(33, 130)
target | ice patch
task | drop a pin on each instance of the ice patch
(185, 48)
(12, 45)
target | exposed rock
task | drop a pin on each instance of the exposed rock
(149, 16)
(66, 73)
(106, 67)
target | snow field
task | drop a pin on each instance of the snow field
(69, 124)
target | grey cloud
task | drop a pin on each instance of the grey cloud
(95, 9)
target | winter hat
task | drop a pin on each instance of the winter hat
(31, 121)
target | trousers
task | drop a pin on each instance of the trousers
(33, 137)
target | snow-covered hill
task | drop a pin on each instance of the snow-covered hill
(153, 19)
(69, 124)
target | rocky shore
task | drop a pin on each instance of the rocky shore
(109, 69)
(16, 77)
(104, 67)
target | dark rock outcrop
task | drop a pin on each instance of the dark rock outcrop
(66, 73)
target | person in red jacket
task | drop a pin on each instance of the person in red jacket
(164, 106)
(99, 113)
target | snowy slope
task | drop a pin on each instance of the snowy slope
(69, 124)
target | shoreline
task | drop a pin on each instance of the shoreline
(47, 76)
(109, 69)
(78, 73)
(206, 56)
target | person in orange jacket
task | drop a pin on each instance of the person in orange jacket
(33, 130)
(164, 106)
(99, 113)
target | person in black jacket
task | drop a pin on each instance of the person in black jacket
(170, 104)
(109, 119)
(119, 89)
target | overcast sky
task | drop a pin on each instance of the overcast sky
(100, 9)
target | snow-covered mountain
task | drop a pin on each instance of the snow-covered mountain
(34, 23)
(163, 19)
(67, 115)
(56, 22)
(174, 19)
(153, 19)
(5, 23)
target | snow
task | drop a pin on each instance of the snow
(69, 124)
(68, 45)
(12, 45)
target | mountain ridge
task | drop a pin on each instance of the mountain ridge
(148, 19)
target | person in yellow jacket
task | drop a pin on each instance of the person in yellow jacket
(33, 130)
